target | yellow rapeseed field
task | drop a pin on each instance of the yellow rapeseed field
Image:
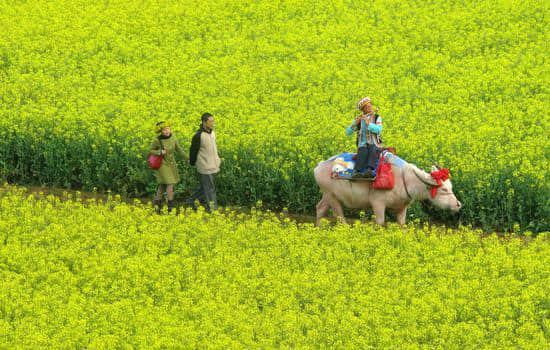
(78, 274)
(461, 83)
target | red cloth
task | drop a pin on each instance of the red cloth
(384, 176)
(439, 176)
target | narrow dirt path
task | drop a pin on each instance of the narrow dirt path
(102, 197)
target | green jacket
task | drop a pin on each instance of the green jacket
(168, 173)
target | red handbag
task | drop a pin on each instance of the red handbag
(155, 161)
(384, 176)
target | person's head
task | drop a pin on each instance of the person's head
(207, 120)
(365, 105)
(163, 128)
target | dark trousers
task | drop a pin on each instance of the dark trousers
(366, 158)
(205, 193)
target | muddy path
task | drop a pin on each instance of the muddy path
(103, 197)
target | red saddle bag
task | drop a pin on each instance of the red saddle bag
(384, 176)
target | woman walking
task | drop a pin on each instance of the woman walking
(166, 144)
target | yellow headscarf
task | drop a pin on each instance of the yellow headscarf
(161, 125)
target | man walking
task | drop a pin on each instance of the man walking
(203, 154)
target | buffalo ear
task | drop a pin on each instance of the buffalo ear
(435, 166)
(425, 177)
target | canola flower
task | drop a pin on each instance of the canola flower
(82, 274)
(462, 83)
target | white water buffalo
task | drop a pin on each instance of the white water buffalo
(411, 183)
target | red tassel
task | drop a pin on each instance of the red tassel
(439, 176)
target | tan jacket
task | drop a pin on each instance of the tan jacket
(208, 161)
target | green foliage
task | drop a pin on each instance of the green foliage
(77, 274)
(459, 82)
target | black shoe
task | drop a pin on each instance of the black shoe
(357, 175)
(192, 204)
(157, 204)
(369, 173)
(369, 176)
(170, 205)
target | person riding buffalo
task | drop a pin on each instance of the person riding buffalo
(368, 126)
